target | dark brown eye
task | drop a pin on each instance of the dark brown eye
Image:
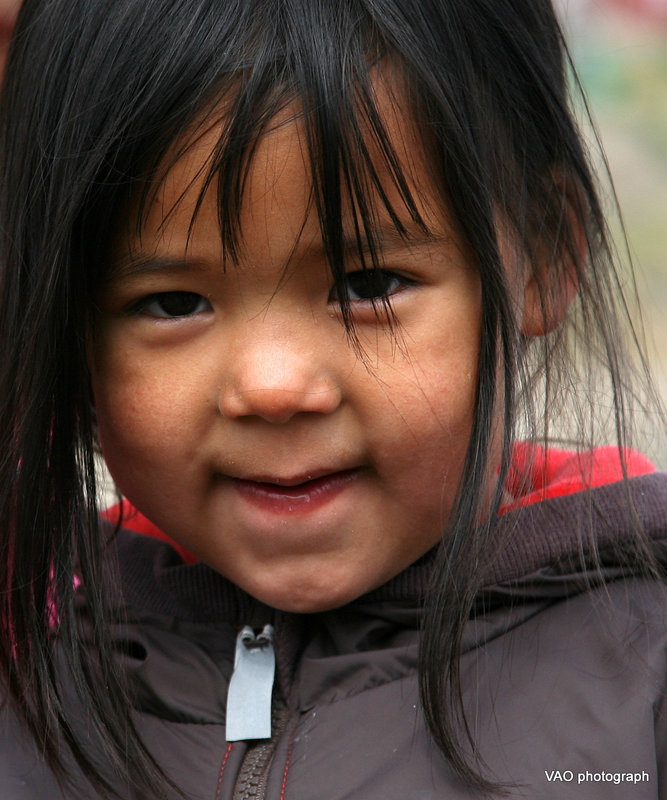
(173, 304)
(372, 284)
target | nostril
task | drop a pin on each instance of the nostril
(278, 404)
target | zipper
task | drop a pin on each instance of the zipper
(253, 773)
(255, 714)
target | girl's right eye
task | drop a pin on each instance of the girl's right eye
(171, 305)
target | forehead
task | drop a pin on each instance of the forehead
(274, 196)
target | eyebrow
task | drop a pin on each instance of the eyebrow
(386, 241)
(390, 239)
(143, 264)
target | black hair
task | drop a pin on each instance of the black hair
(97, 92)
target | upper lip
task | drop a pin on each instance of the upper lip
(294, 480)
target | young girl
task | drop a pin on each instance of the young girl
(304, 269)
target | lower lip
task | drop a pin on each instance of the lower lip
(301, 499)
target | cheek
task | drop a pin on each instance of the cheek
(436, 384)
(429, 399)
(432, 449)
(142, 412)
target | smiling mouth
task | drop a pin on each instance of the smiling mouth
(298, 494)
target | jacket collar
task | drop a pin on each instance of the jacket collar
(534, 542)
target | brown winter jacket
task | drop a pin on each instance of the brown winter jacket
(563, 681)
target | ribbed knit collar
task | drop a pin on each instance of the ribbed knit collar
(562, 531)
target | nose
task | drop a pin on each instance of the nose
(276, 377)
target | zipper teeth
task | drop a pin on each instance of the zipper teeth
(252, 777)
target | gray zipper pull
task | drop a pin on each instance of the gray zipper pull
(249, 696)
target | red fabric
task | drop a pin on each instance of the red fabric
(135, 521)
(535, 474)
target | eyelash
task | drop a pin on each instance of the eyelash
(369, 286)
(191, 300)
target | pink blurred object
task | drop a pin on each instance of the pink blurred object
(650, 10)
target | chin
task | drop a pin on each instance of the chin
(302, 596)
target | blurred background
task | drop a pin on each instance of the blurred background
(620, 51)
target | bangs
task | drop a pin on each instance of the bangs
(360, 173)
(359, 182)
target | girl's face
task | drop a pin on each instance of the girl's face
(233, 410)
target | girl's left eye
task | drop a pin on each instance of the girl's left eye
(368, 285)
(171, 305)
